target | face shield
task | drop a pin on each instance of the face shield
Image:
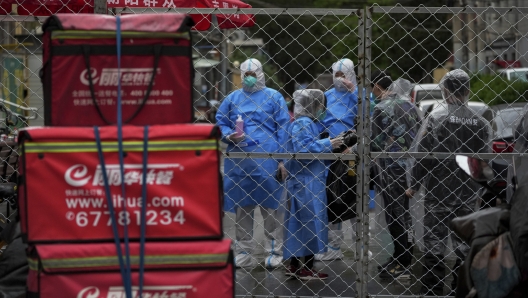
(344, 69)
(402, 88)
(455, 87)
(310, 103)
(252, 75)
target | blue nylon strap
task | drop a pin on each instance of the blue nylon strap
(110, 206)
(118, 44)
(143, 211)
(128, 286)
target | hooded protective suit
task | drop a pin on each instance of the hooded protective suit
(307, 219)
(253, 65)
(395, 123)
(341, 114)
(449, 193)
(251, 182)
(342, 102)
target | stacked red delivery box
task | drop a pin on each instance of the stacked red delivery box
(71, 179)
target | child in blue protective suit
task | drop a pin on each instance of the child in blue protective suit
(306, 220)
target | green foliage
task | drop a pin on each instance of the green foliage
(302, 47)
(494, 90)
(410, 45)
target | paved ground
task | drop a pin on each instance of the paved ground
(261, 282)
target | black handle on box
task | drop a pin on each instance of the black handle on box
(157, 54)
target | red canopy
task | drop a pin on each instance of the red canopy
(203, 22)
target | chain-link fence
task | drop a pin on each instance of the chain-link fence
(422, 45)
(407, 136)
(16, 81)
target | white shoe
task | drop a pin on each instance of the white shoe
(245, 260)
(330, 255)
(273, 261)
(370, 255)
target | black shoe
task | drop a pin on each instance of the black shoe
(386, 264)
(396, 271)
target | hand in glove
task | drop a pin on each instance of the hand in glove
(352, 149)
(233, 138)
(349, 85)
(336, 142)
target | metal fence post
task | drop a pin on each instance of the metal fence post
(366, 139)
(362, 266)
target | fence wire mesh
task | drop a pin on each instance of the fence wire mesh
(390, 244)
(422, 45)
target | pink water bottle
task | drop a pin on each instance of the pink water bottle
(239, 127)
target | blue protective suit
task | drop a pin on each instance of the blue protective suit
(341, 111)
(306, 223)
(251, 181)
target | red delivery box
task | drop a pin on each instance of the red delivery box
(80, 73)
(62, 193)
(172, 269)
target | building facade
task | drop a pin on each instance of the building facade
(492, 40)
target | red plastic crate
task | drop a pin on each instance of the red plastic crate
(62, 197)
(184, 269)
(80, 69)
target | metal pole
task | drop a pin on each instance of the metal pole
(363, 151)
(224, 64)
(481, 56)
(458, 51)
(465, 41)
(360, 147)
(366, 150)
(472, 40)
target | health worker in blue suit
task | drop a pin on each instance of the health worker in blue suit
(251, 182)
(342, 99)
(306, 222)
(341, 114)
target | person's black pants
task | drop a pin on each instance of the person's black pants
(397, 213)
(433, 274)
(440, 210)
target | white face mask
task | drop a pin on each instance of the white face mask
(339, 84)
